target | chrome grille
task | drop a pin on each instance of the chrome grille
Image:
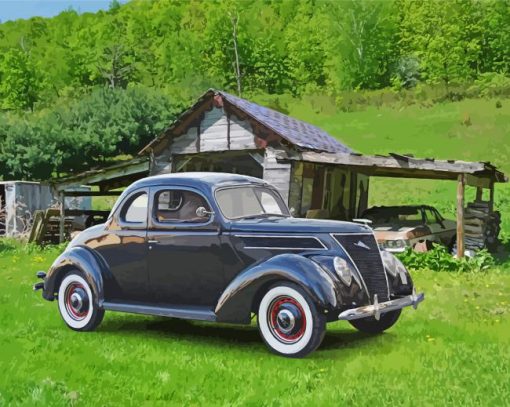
(364, 251)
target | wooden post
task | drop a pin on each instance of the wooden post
(479, 194)
(460, 215)
(62, 217)
(491, 198)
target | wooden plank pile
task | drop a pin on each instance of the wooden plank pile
(46, 227)
(481, 226)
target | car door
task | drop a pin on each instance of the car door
(124, 248)
(184, 260)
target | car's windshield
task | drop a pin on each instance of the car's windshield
(250, 202)
(394, 215)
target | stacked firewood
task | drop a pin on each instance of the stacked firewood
(481, 226)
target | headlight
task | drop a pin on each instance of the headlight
(394, 266)
(395, 244)
(343, 270)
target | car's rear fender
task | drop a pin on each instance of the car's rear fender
(240, 297)
(82, 259)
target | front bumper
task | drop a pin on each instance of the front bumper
(395, 249)
(40, 285)
(378, 308)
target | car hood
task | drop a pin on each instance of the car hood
(297, 225)
(394, 232)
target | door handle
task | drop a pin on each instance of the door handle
(152, 241)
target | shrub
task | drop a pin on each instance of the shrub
(406, 73)
(14, 246)
(490, 84)
(439, 259)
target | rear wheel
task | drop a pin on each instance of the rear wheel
(373, 326)
(289, 322)
(77, 304)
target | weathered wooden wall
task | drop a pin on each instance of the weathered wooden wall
(296, 187)
(277, 174)
(217, 131)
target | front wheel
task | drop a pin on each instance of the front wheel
(76, 303)
(373, 326)
(289, 322)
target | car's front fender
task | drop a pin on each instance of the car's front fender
(78, 258)
(236, 302)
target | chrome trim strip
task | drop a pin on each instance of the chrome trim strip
(379, 308)
(284, 237)
(352, 261)
(352, 234)
(280, 248)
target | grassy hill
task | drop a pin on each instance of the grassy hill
(472, 129)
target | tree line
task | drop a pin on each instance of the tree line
(56, 73)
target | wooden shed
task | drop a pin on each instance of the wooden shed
(316, 174)
(222, 132)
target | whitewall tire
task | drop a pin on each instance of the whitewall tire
(289, 322)
(77, 304)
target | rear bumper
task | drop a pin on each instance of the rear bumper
(378, 308)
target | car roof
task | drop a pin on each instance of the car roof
(198, 180)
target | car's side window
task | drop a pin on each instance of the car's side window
(428, 216)
(178, 206)
(135, 209)
(438, 216)
(431, 216)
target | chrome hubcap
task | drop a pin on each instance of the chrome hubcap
(286, 321)
(77, 301)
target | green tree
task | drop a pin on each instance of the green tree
(496, 37)
(116, 66)
(362, 50)
(22, 80)
(443, 36)
(85, 133)
(305, 43)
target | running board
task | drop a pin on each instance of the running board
(172, 311)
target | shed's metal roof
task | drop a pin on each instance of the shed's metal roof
(300, 133)
(297, 132)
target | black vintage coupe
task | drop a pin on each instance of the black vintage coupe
(223, 247)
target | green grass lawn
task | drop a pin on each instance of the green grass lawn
(452, 350)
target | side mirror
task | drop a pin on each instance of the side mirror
(203, 213)
(292, 211)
